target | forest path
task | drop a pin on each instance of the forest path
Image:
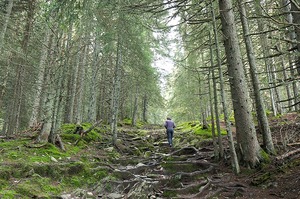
(149, 168)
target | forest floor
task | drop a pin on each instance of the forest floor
(144, 166)
(189, 171)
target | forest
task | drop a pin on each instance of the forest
(86, 78)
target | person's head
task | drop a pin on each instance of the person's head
(168, 118)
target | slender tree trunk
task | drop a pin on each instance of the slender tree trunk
(263, 42)
(47, 108)
(92, 86)
(116, 91)
(215, 100)
(135, 107)
(78, 105)
(246, 135)
(295, 8)
(14, 119)
(145, 105)
(263, 122)
(5, 24)
(36, 102)
(291, 34)
(211, 99)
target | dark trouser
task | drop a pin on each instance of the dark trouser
(170, 133)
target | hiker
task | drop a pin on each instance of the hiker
(170, 125)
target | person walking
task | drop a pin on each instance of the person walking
(170, 125)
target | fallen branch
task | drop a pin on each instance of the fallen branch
(287, 155)
(294, 144)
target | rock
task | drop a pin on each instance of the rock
(140, 165)
(115, 196)
(66, 196)
(109, 149)
(53, 159)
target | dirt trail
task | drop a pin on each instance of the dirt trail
(180, 172)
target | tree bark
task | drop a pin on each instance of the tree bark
(39, 83)
(15, 113)
(78, 101)
(295, 8)
(145, 106)
(5, 24)
(92, 85)
(234, 160)
(266, 54)
(263, 122)
(116, 91)
(135, 107)
(245, 130)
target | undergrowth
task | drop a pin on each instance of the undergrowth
(46, 171)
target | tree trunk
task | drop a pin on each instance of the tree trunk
(266, 54)
(260, 108)
(234, 160)
(78, 101)
(47, 109)
(14, 118)
(36, 102)
(295, 8)
(245, 130)
(5, 24)
(135, 107)
(92, 85)
(292, 36)
(216, 110)
(116, 91)
(145, 105)
(211, 99)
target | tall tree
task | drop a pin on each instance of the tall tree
(260, 108)
(246, 135)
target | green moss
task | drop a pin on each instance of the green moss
(94, 135)
(3, 183)
(76, 181)
(264, 156)
(47, 170)
(68, 128)
(9, 194)
(37, 187)
(70, 137)
(169, 194)
(127, 121)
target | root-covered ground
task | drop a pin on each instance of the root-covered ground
(144, 166)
